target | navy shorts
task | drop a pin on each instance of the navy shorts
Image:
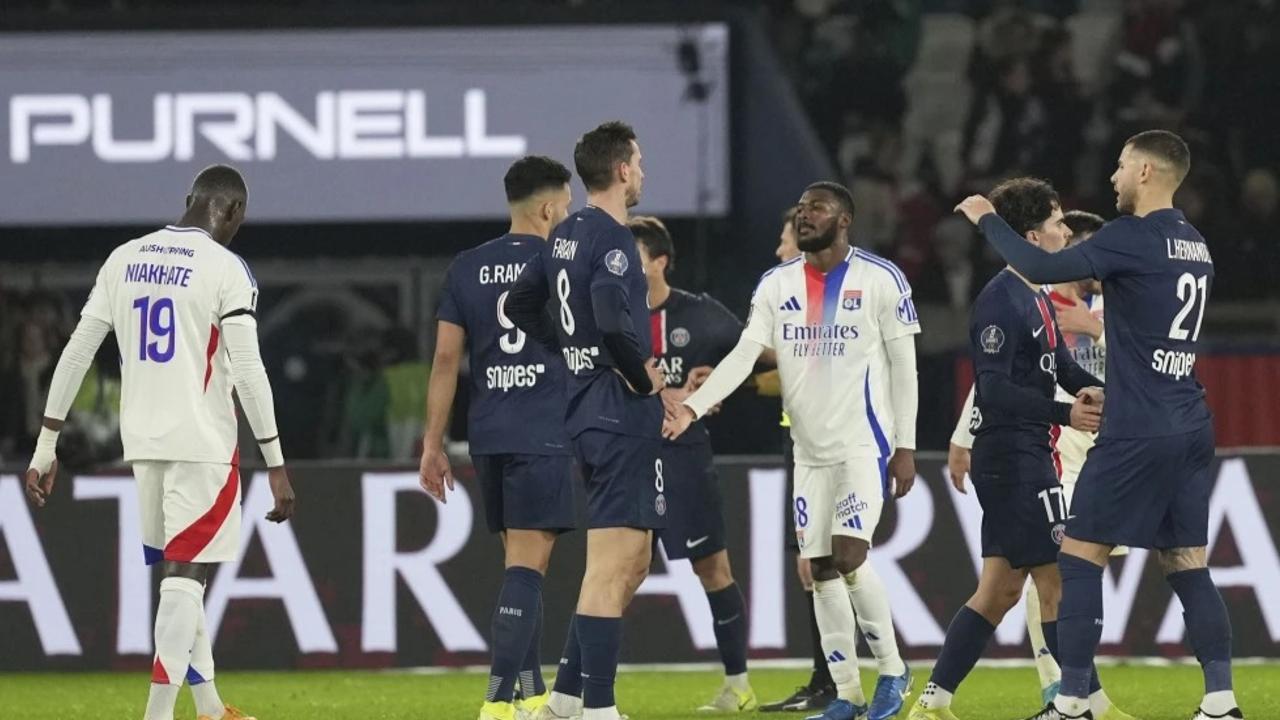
(695, 518)
(1023, 509)
(624, 479)
(1145, 492)
(526, 492)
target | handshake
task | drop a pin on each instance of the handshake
(1086, 411)
(676, 416)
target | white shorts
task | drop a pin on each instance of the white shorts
(844, 499)
(190, 511)
(1068, 481)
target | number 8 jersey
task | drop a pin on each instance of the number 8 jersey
(166, 295)
(517, 385)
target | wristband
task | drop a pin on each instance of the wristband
(46, 450)
(272, 455)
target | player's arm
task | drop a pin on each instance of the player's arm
(611, 310)
(993, 331)
(526, 304)
(1035, 264)
(899, 324)
(959, 455)
(73, 363)
(239, 326)
(434, 471)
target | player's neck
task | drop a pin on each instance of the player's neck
(825, 260)
(522, 226)
(196, 218)
(1144, 206)
(612, 201)
(1030, 284)
(658, 293)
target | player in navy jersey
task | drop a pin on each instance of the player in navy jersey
(691, 333)
(1019, 358)
(1146, 482)
(523, 467)
(590, 270)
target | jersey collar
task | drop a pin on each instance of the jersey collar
(182, 229)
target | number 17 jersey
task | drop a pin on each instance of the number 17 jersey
(167, 295)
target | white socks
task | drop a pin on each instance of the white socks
(177, 622)
(205, 693)
(564, 705)
(837, 626)
(1046, 667)
(1219, 703)
(934, 697)
(737, 682)
(871, 604)
(1099, 703)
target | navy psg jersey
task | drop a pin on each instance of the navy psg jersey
(690, 331)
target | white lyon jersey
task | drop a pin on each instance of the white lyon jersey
(166, 295)
(829, 333)
(1073, 445)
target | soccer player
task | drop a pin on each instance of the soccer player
(842, 324)
(524, 468)
(182, 306)
(1019, 355)
(1146, 482)
(818, 693)
(692, 333)
(591, 271)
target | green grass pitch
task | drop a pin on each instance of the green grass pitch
(1150, 693)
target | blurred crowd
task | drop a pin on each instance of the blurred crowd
(923, 102)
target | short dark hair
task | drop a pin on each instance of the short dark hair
(653, 235)
(1166, 146)
(532, 174)
(841, 192)
(220, 181)
(1081, 222)
(599, 152)
(1025, 203)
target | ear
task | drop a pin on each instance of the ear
(189, 199)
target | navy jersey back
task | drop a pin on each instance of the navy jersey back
(1013, 333)
(1156, 274)
(513, 378)
(689, 331)
(586, 251)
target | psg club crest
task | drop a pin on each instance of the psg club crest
(992, 339)
(616, 262)
(680, 337)
(852, 300)
(660, 505)
(1058, 532)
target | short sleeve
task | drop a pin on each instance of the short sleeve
(993, 335)
(239, 295)
(615, 260)
(897, 310)
(448, 309)
(760, 319)
(1117, 248)
(98, 305)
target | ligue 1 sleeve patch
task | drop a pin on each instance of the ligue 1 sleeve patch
(992, 339)
(906, 311)
(616, 262)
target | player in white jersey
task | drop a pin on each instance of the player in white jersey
(842, 324)
(1079, 314)
(182, 308)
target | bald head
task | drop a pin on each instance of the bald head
(217, 202)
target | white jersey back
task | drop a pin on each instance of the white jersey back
(829, 333)
(1073, 445)
(166, 295)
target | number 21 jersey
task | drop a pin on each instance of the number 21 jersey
(166, 295)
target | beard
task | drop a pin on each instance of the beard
(633, 196)
(818, 243)
(1125, 202)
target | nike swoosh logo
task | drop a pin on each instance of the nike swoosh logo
(1036, 333)
(726, 622)
(691, 544)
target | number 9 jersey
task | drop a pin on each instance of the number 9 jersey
(166, 295)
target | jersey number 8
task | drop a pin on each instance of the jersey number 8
(566, 313)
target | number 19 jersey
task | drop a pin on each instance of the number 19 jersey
(166, 295)
(829, 333)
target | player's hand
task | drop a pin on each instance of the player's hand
(672, 397)
(434, 473)
(697, 376)
(39, 485)
(902, 471)
(282, 491)
(1076, 318)
(958, 462)
(974, 207)
(657, 378)
(1085, 415)
(674, 427)
(1093, 396)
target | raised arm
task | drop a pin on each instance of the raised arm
(1033, 263)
